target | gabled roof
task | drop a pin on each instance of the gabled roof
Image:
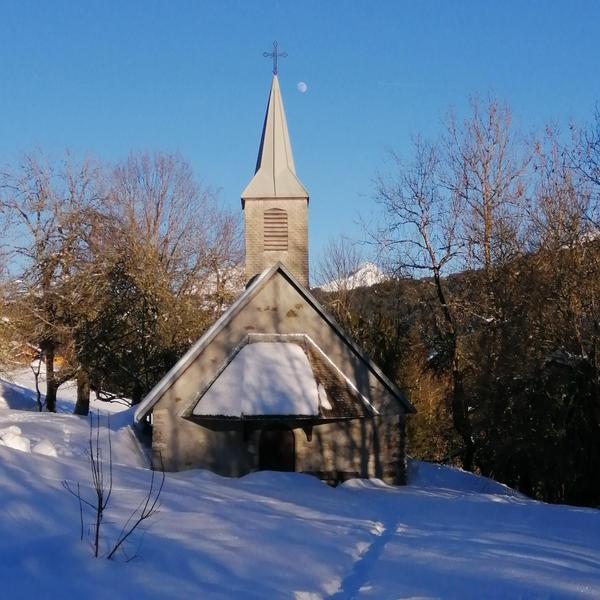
(275, 175)
(257, 284)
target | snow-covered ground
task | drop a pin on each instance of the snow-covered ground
(448, 534)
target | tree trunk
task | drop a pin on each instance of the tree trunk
(460, 411)
(51, 386)
(82, 406)
(137, 394)
(461, 421)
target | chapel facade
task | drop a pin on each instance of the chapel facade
(275, 383)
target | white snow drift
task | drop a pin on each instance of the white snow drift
(448, 534)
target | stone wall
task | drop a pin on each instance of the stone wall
(371, 447)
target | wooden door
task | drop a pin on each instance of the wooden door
(276, 449)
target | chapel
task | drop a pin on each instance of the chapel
(275, 383)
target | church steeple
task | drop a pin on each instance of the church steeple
(275, 175)
(275, 202)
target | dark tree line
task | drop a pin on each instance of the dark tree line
(492, 317)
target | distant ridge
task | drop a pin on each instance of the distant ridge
(366, 275)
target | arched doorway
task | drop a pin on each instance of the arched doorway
(276, 449)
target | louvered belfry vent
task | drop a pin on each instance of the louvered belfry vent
(276, 229)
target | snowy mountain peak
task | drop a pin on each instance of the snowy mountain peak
(366, 275)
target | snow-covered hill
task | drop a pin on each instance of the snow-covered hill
(448, 534)
(366, 275)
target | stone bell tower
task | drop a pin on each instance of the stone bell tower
(275, 203)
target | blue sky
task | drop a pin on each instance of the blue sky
(107, 77)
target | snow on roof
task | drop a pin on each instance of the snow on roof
(264, 378)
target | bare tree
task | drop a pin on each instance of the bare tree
(101, 470)
(163, 250)
(564, 241)
(146, 509)
(42, 205)
(158, 199)
(561, 198)
(119, 269)
(341, 261)
(487, 171)
(102, 480)
(584, 150)
(419, 235)
(36, 367)
(487, 168)
(584, 158)
(505, 232)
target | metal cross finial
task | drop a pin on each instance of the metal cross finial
(275, 55)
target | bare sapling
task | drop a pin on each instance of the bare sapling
(101, 470)
(101, 483)
(148, 507)
(36, 368)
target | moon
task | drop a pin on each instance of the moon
(302, 87)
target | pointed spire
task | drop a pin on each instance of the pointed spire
(275, 175)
